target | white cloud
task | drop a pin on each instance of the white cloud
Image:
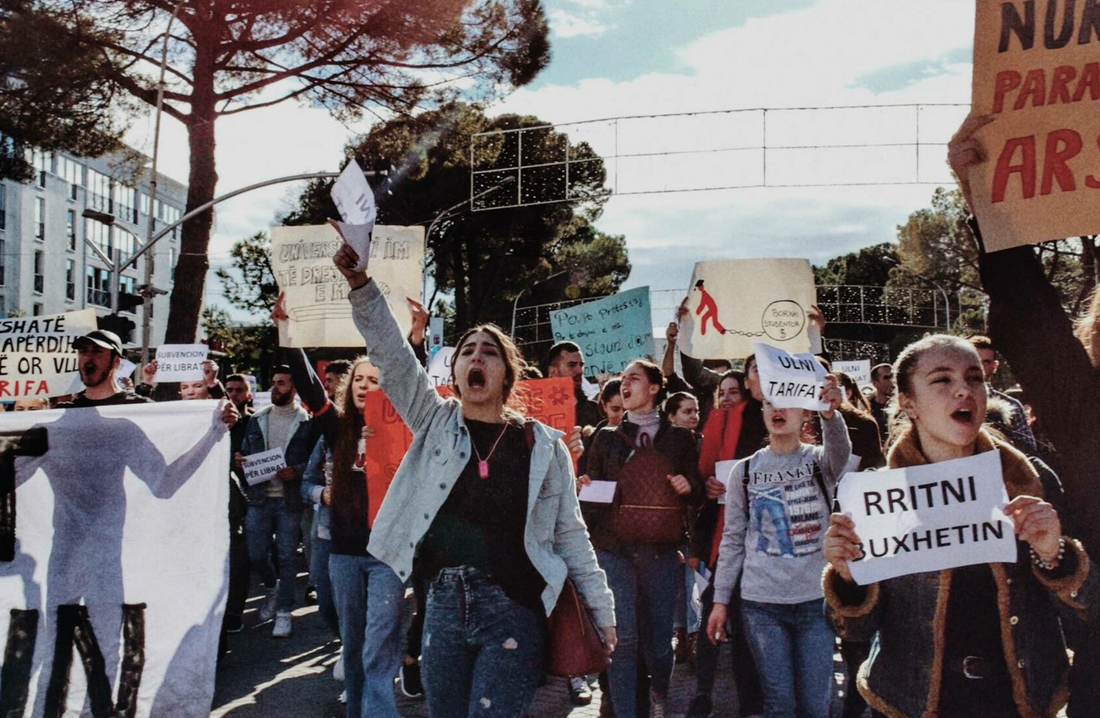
(565, 24)
(817, 56)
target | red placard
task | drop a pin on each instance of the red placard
(550, 401)
(385, 449)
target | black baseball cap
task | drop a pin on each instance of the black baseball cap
(100, 338)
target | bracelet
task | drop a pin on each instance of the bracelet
(1049, 565)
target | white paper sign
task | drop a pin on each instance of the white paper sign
(722, 472)
(355, 201)
(435, 332)
(439, 367)
(790, 381)
(733, 303)
(263, 466)
(121, 523)
(180, 362)
(260, 399)
(125, 368)
(598, 492)
(37, 358)
(590, 388)
(928, 518)
(860, 370)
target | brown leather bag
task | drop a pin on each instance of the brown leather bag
(647, 509)
(576, 647)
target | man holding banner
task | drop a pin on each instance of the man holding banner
(995, 646)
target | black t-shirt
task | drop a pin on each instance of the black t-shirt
(81, 401)
(973, 625)
(481, 524)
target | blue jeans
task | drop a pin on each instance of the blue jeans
(643, 579)
(482, 652)
(261, 521)
(793, 649)
(368, 597)
(685, 616)
(319, 577)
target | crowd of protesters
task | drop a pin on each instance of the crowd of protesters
(483, 522)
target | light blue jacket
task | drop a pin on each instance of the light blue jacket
(555, 537)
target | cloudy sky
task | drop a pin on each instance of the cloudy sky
(637, 58)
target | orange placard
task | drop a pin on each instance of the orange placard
(550, 401)
(385, 449)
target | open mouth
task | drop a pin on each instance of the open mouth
(963, 416)
(476, 379)
(779, 421)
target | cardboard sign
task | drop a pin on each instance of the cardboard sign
(263, 466)
(121, 543)
(611, 332)
(316, 294)
(859, 370)
(180, 362)
(734, 303)
(928, 518)
(790, 381)
(1036, 70)
(37, 358)
(598, 492)
(384, 451)
(439, 367)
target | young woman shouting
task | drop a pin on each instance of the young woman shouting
(488, 505)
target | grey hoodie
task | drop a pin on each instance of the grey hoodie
(777, 539)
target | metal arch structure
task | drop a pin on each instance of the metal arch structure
(842, 304)
(869, 145)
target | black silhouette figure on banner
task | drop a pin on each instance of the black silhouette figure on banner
(709, 309)
(86, 464)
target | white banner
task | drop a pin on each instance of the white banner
(790, 381)
(859, 370)
(180, 362)
(733, 303)
(928, 518)
(316, 294)
(37, 359)
(121, 524)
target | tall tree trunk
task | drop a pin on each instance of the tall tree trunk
(186, 300)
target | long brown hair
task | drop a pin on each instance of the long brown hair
(349, 429)
(514, 365)
(1087, 328)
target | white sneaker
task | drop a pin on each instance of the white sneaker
(271, 603)
(338, 669)
(344, 697)
(282, 625)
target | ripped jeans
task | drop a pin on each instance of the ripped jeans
(482, 651)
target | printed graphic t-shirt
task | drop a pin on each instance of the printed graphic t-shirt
(777, 539)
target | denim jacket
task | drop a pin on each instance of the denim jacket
(555, 537)
(297, 453)
(316, 477)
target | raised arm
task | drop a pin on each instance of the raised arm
(402, 377)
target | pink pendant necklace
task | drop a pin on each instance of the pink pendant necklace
(483, 464)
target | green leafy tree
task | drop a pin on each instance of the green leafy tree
(487, 258)
(350, 56)
(58, 99)
(869, 266)
(251, 286)
(250, 349)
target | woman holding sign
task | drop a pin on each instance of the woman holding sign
(977, 640)
(487, 503)
(776, 506)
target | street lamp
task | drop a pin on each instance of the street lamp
(515, 304)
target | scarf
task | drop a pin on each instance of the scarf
(648, 422)
(720, 438)
(1020, 476)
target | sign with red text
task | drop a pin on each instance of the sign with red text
(928, 518)
(1037, 71)
(37, 359)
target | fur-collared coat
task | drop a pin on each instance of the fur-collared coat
(903, 676)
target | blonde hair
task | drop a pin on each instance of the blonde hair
(1087, 328)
